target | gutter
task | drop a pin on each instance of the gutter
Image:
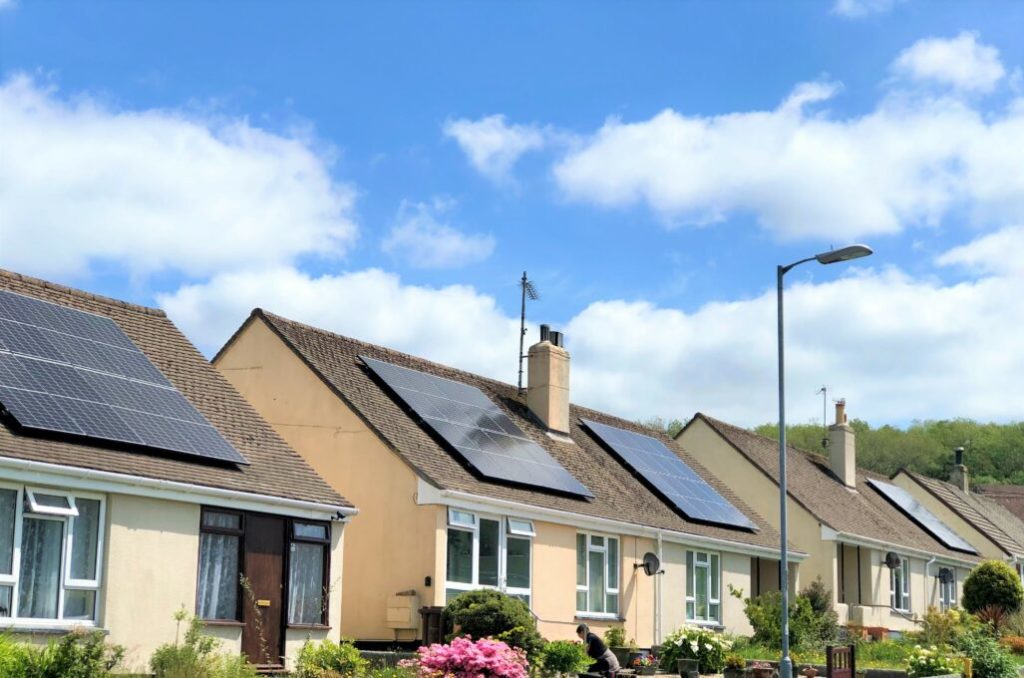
(828, 534)
(427, 494)
(120, 483)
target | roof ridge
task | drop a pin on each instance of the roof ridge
(76, 292)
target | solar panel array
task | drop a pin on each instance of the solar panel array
(67, 371)
(669, 476)
(914, 510)
(476, 429)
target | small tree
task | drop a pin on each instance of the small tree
(992, 583)
(492, 614)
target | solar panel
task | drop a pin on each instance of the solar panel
(68, 371)
(477, 429)
(669, 476)
(916, 511)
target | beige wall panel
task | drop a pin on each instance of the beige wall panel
(391, 545)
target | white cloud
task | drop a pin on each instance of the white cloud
(961, 62)
(802, 173)
(84, 184)
(492, 145)
(423, 241)
(896, 346)
(998, 252)
(858, 9)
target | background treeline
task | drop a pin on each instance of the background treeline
(994, 453)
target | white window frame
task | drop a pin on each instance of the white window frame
(585, 588)
(947, 593)
(708, 574)
(43, 510)
(898, 598)
(504, 532)
(25, 495)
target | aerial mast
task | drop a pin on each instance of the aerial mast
(527, 290)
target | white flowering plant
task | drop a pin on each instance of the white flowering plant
(693, 642)
(931, 661)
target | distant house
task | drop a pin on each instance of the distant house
(463, 483)
(1010, 497)
(883, 566)
(997, 533)
(135, 481)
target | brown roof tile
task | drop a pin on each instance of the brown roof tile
(618, 495)
(274, 468)
(862, 512)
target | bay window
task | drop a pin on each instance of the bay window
(488, 552)
(597, 575)
(899, 586)
(51, 545)
(703, 587)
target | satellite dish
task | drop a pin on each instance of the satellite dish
(651, 564)
(945, 575)
(892, 561)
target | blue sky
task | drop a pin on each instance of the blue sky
(387, 170)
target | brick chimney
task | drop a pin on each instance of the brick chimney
(842, 448)
(547, 393)
(959, 475)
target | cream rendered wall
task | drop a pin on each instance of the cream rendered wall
(392, 545)
(150, 563)
(986, 547)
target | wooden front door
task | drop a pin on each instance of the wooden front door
(263, 598)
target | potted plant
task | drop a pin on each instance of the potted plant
(615, 639)
(645, 665)
(762, 670)
(691, 649)
(634, 654)
(735, 666)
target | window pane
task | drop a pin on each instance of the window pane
(701, 592)
(581, 601)
(225, 521)
(613, 564)
(689, 610)
(8, 512)
(5, 600)
(460, 556)
(689, 574)
(517, 566)
(597, 582)
(612, 603)
(714, 578)
(464, 518)
(597, 541)
(57, 501)
(520, 527)
(218, 576)
(490, 546)
(306, 584)
(713, 612)
(581, 561)
(41, 545)
(79, 604)
(85, 539)
(310, 531)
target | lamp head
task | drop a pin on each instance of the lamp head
(843, 254)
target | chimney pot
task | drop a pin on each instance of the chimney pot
(545, 332)
(959, 476)
(556, 338)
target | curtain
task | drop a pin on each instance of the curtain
(218, 576)
(41, 542)
(306, 584)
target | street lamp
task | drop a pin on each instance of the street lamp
(830, 257)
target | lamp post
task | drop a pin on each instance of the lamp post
(831, 257)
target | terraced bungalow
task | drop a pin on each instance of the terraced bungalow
(885, 558)
(135, 481)
(465, 483)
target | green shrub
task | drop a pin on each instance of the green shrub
(690, 642)
(79, 654)
(932, 661)
(943, 628)
(615, 636)
(12, 658)
(564, 656)
(765, 613)
(988, 658)
(391, 672)
(993, 583)
(735, 662)
(492, 614)
(321, 660)
(826, 622)
(197, 656)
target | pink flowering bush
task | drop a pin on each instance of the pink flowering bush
(466, 658)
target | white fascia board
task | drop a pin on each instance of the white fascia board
(828, 534)
(428, 494)
(37, 472)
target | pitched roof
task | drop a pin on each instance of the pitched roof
(274, 468)
(860, 512)
(1010, 497)
(618, 495)
(986, 515)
